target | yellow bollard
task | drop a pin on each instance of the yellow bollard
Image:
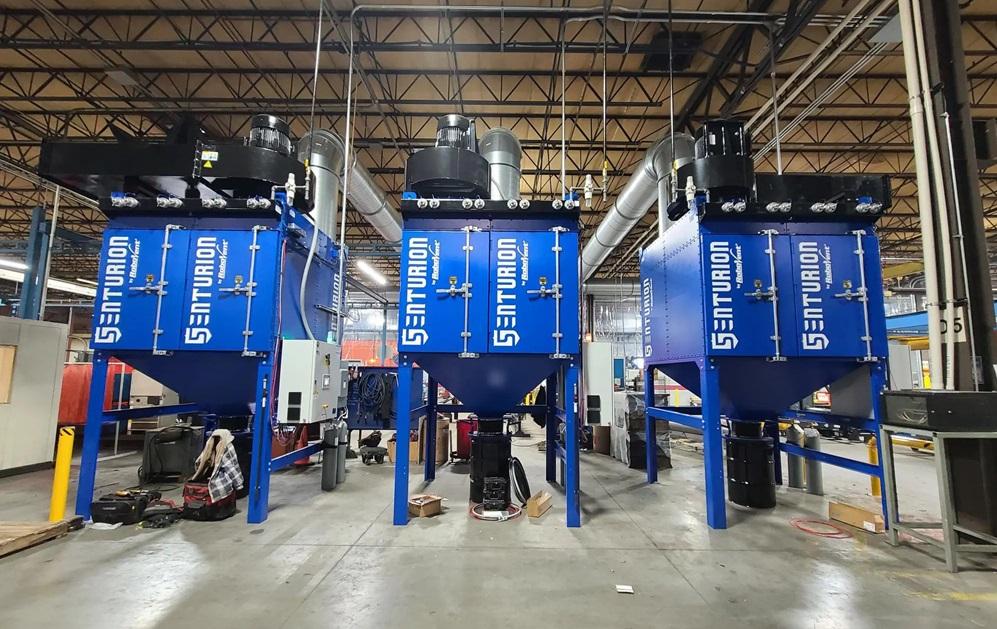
(874, 459)
(60, 482)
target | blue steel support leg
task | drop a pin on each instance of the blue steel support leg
(259, 469)
(429, 472)
(650, 432)
(877, 383)
(37, 255)
(713, 452)
(772, 430)
(551, 428)
(403, 423)
(571, 447)
(91, 436)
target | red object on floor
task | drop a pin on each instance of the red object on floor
(303, 443)
(464, 429)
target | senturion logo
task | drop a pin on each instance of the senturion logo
(416, 274)
(505, 334)
(815, 273)
(726, 275)
(198, 331)
(113, 273)
(647, 305)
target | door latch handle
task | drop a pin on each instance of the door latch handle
(453, 290)
(762, 295)
(849, 294)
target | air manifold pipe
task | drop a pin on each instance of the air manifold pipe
(641, 191)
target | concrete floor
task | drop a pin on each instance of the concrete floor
(335, 560)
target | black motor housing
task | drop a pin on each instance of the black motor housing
(723, 164)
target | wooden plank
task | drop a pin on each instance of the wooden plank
(15, 536)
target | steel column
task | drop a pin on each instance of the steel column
(259, 470)
(551, 428)
(91, 436)
(713, 450)
(650, 426)
(891, 510)
(949, 536)
(34, 275)
(571, 447)
(877, 384)
(429, 471)
(403, 423)
(772, 430)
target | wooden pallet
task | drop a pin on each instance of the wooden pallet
(15, 536)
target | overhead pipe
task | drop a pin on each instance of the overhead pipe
(372, 202)
(501, 148)
(924, 204)
(632, 204)
(326, 162)
(846, 44)
(941, 201)
(322, 150)
(805, 65)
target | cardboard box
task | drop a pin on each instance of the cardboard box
(442, 442)
(414, 452)
(418, 450)
(600, 439)
(425, 505)
(858, 516)
(538, 504)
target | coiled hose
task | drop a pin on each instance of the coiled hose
(520, 483)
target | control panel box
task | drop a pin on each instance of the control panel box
(313, 382)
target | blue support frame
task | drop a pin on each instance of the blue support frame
(259, 470)
(650, 434)
(36, 259)
(262, 466)
(708, 420)
(571, 447)
(716, 497)
(569, 452)
(403, 425)
(91, 436)
(432, 399)
(550, 428)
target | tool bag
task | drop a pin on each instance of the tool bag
(198, 505)
(211, 492)
(124, 507)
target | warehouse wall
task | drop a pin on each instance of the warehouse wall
(30, 381)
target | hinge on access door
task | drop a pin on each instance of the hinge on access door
(861, 294)
(555, 292)
(159, 289)
(771, 295)
(465, 291)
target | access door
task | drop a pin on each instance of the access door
(140, 289)
(832, 309)
(229, 301)
(443, 302)
(533, 293)
(747, 294)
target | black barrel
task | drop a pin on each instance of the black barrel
(490, 454)
(750, 467)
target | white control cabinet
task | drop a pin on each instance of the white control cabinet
(313, 382)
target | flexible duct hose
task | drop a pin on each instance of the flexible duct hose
(519, 481)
